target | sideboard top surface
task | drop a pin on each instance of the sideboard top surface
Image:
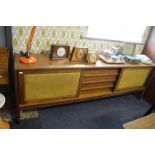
(44, 62)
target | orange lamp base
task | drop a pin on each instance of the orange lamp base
(30, 60)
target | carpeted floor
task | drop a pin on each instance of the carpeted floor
(108, 113)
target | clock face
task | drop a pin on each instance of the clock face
(93, 58)
(61, 52)
(80, 54)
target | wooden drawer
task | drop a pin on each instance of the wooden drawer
(96, 79)
(91, 86)
(95, 92)
(99, 75)
(100, 72)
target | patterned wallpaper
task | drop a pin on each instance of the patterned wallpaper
(47, 35)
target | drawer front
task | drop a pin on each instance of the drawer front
(100, 72)
(132, 78)
(97, 85)
(49, 86)
(100, 79)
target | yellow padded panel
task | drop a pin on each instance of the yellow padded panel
(48, 86)
(133, 78)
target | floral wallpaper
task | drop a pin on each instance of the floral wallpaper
(70, 35)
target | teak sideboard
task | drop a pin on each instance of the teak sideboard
(54, 82)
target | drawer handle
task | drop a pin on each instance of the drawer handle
(1, 76)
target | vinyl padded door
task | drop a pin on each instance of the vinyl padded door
(132, 78)
(50, 86)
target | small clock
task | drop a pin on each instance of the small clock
(59, 51)
(79, 54)
(92, 57)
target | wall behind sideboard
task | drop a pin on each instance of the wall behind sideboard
(47, 35)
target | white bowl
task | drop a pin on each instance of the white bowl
(2, 100)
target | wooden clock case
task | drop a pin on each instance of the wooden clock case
(54, 48)
(76, 51)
